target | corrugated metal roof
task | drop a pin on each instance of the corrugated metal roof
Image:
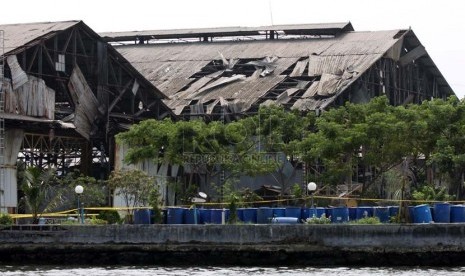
(171, 66)
(302, 29)
(17, 35)
(345, 56)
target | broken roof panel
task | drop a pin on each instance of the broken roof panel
(336, 64)
(248, 89)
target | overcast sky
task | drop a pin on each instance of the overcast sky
(440, 25)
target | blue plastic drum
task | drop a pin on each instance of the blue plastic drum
(250, 215)
(422, 214)
(264, 215)
(191, 216)
(142, 216)
(364, 211)
(352, 213)
(175, 215)
(279, 212)
(382, 213)
(339, 214)
(393, 211)
(442, 212)
(457, 213)
(320, 211)
(205, 216)
(293, 212)
(216, 216)
(308, 213)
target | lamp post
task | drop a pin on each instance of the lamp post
(311, 187)
(79, 190)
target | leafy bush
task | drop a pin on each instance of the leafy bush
(154, 201)
(368, 220)
(318, 220)
(96, 221)
(110, 216)
(6, 219)
(69, 222)
(429, 193)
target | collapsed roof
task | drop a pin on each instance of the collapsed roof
(307, 67)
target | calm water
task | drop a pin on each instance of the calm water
(233, 271)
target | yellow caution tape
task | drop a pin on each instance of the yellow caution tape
(73, 212)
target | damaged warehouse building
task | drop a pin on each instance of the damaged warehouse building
(232, 71)
(66, 91)
(228, 73)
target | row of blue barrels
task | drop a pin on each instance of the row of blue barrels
(440, 212)
(264, 215)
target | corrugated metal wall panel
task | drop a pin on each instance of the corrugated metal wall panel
(86, 103)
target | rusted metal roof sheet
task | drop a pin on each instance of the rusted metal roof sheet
(18, 35)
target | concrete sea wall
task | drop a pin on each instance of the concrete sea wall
(344, 244)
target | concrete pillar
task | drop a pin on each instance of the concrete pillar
(8, 181)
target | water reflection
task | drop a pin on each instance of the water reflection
(232, 271)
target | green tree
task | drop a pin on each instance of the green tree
(37, 187)
(278, 134)
(95, 192)
(133, 186)
(447, 118)
(155, 203)
(336, 143)
(202, 148)
(371, 136)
